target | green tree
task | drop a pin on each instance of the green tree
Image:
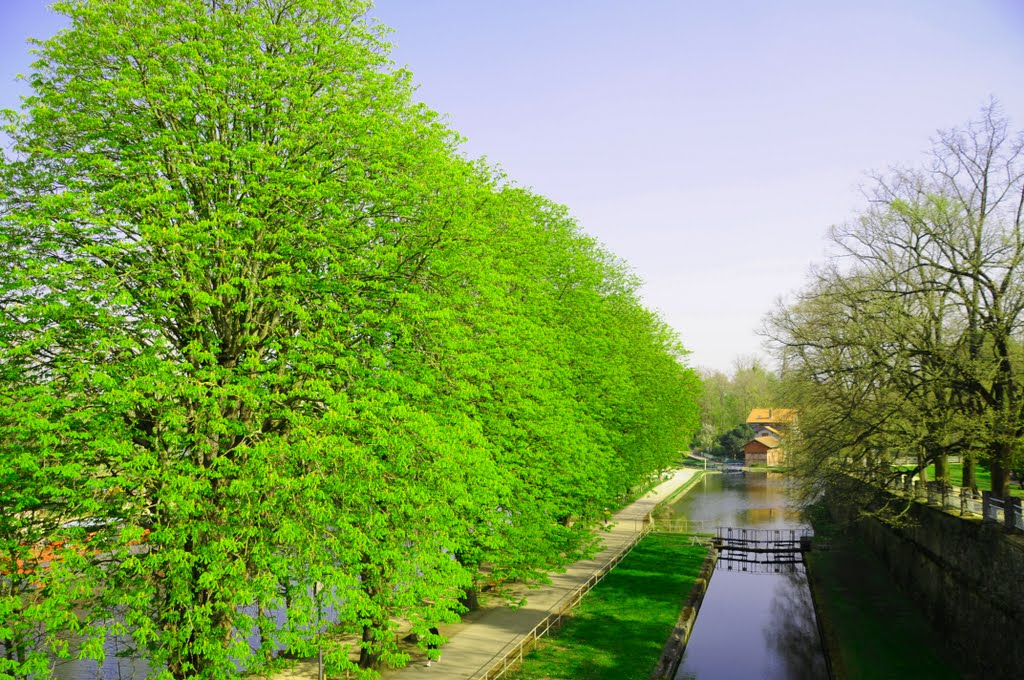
(728, 399)
(213, 211)
(910, 341)
(274, 353)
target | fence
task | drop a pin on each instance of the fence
(684, 526)
(995, 509)
(513, 654)
(960, 500)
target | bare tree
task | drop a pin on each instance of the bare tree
(912, 332)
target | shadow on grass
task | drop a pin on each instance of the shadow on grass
(875, 629)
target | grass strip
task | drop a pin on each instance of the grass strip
(956, 477)
(872, 628)
(682, 490)
(620, 628)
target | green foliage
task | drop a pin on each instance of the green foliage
(730, 444)
(728, 399)
(274, 353)
(908, 344)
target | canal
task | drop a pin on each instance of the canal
(757, 620)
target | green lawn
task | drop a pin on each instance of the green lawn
(872, 628)
(620, 628)
(956, 477)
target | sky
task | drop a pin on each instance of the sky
(708, 144)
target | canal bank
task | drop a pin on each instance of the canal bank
(871, 628)
(618, 631)
(675, 647)
(956, 579)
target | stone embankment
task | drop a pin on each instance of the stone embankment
(967, 577)
(672, 655)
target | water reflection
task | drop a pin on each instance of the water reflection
(124, 662)
(757, 620)
(796, 638)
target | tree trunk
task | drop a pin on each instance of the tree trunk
(942, 468)
(970, 480)
(367, 657)
(1000, 471)
(470, 599)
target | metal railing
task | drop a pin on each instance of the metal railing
(512, 654)
(993, 511)
(748, 536)
(960, 500)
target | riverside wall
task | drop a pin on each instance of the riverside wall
(967, 576)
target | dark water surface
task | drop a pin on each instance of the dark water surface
(757, 620)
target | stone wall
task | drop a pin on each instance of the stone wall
(967, 576)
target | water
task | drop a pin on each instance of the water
(122, 663)
(757, 620)
(119, 664)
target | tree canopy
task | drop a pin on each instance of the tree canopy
(281, 369)
(727, 401)
(908, 343)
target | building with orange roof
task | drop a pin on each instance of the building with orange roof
(769, 426)
(762, 451)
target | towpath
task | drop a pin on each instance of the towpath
(484, 635)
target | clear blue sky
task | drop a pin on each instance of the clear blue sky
(709, 144)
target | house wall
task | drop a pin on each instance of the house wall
(756, 453)
(755, 458)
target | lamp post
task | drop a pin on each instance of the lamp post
(317, 588)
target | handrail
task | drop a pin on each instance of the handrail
(504, 660)
(959, 500)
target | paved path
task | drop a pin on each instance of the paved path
(482, 636)
(485, 634)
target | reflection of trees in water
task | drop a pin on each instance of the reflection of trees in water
(795, 637)
(771, 515)
(122, 661)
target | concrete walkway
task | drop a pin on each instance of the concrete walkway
(484, 635)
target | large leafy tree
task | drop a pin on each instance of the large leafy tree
(909, 342)
(213, 211)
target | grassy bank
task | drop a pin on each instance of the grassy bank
(872, 629)
(618, 631)
(682, 490)
(956, 477)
